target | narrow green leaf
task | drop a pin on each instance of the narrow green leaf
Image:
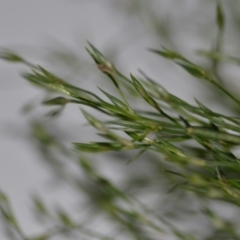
(100, 147)
(175, 186)
(39, 205)
(198, 72)
(195, 71)
(220, 19)
(218, 136)
(64, 218)
(55, 113)
(3, 198)
(107, 68)
(7, 213)
(85, 164)
(45, 79)
(10, 56)
(101, 127)
(114, 100)
(99, 57)
(59, 101)
(156, 87)
(94, 122)
(150, 100)
(144, 93)
(136, 156)
(166, 53)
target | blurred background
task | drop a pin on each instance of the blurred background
(54, 34)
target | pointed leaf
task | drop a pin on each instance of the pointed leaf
(220, 16)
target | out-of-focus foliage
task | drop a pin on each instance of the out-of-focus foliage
(180, 163)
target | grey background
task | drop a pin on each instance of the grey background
(39, 29)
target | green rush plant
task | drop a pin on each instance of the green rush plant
(187, 151)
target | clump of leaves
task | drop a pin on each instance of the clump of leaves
(205, 172)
